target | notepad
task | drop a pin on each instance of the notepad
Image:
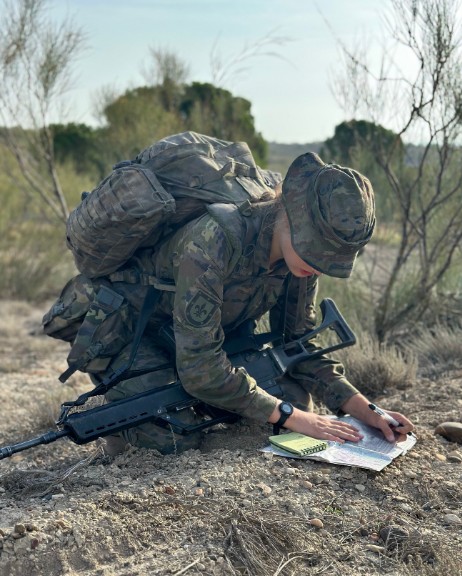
(298, 443)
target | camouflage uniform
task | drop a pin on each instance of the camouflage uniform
(219, 264)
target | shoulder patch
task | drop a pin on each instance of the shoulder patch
(200, 309)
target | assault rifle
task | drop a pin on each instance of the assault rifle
(264, 356)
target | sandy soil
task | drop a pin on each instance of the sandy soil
(224, 509)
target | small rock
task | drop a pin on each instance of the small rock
(452, 519)
(34, 543)
(375, 548)
(317, 522)
(411, 474)
(452, 431)
(20, 529)
(306, 484)
(265, 489)
(455, 457)
(440, 457)
(199, 491)
(360, 487)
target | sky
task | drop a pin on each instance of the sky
(290, 92)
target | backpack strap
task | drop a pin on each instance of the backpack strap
(150, 300)
(134, 276)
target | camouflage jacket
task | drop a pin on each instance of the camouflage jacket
(220, 266)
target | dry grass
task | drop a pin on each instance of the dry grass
(376, 368)
(437, 348)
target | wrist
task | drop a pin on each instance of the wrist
(285, 410)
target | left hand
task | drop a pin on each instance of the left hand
(358, 406)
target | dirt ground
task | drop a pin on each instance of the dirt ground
(225, 509)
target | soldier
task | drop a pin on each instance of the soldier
(233, 265)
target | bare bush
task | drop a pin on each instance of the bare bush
(422, 104)
(36, 59)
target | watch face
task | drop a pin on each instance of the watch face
(285, 408)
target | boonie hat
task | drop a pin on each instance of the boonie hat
(331, 212)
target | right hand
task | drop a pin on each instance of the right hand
(322, 427)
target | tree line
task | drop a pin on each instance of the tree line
(418, 188)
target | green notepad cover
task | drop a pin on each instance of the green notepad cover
(298, 443)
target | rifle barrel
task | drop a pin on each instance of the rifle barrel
(46, 438)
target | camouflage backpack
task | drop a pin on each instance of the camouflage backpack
(141, 201)
(167, 185)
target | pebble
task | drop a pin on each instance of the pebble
(317, 522)
(411, 474)
(375, 548)
(440, 457)
(452, 431)
(20, 529)
(360, 487)
(306, 484)
(265, 489)
(452, 519)
(455, 457)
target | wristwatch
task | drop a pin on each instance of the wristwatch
(286, 409)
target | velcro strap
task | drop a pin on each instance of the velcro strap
(132, 276)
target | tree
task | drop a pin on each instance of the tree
(215, 111)
(425, 105)
(141, 116)
(135, 120)
(358, 143)
(36, 59)
(77, 143)
(168, 73)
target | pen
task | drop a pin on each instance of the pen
(387, 417)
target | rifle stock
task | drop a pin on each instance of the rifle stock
(162, 405)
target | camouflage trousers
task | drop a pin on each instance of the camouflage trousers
(165, 440)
